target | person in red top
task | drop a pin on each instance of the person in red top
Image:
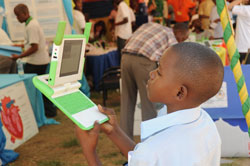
(182, 9)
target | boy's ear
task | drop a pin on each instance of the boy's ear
(182, 93)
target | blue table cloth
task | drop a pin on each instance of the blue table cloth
(9, 50)
(36, 101)
(96, 65)
(233, 113)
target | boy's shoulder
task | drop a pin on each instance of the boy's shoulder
(194, 140)
(184, 134)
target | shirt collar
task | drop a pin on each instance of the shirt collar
(28, 21)
(153, 126)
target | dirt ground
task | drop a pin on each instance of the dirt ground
(56, 145)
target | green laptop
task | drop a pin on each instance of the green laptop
(61, 85)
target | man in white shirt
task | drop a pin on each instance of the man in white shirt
(79, 19)
(186, 136)
(123, 27)
(242, 35)
(36, 54)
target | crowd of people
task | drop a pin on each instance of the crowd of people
(166, 70)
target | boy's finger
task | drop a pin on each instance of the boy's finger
(105, 110)
(96, 128)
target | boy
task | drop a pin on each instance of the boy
(188, 75)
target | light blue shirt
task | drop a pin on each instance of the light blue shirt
(186, 137)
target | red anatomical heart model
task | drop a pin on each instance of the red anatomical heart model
(10, 118)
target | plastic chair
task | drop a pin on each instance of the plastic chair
(110, 80)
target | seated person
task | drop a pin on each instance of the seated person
(200, 34)
(98, 38)
(187, 135)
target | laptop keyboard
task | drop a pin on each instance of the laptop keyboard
(74, 102)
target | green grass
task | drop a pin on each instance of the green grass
(109, 155)
(70, 143)
(49, 163)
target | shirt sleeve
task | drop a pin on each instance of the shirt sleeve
(80, 19)
(241, 10)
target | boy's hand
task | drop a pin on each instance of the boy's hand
(111, 125)
(115, 133)
(88, 139)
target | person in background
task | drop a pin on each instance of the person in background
(182, 9)
(36, 55)
(98, 38)
(200, 34)
(123, 27)
(139, 57)
(79, 19)
(215, 23)
(186, 135)
(242, 35)
(155, 9)
(204, 11)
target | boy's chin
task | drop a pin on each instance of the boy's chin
(150, 97)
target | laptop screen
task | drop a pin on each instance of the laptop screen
(71, 57)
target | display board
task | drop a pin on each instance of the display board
(48, 14)
(17, 117)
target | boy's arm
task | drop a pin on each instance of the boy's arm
(88, 141)
(115, 133)
(31, 50)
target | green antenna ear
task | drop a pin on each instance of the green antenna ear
(60, 32)
(87, 30)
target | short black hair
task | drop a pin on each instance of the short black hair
(182, 27)
(200, 68)
(22, 8)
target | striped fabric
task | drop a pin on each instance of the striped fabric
(234, 58)
(150, 40)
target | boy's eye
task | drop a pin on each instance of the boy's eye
(158, 72)
(158, 64)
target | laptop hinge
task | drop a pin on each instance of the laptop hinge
(65, 89)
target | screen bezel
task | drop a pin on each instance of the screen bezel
(74, 77)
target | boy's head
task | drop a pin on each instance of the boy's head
(181, 32)
(22, 12)
(188, 75)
